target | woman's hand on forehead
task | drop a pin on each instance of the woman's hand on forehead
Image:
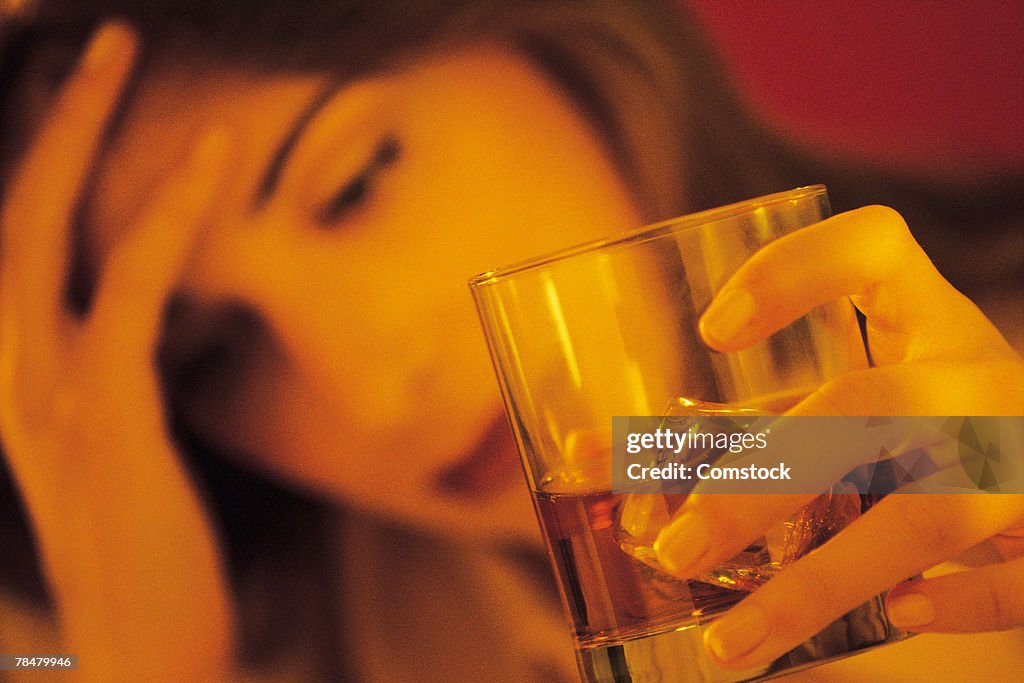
(121, 532)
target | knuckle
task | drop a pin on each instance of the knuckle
(812, 590)
(760, 272)
(995, 606)
(889, 235)
(832, 393)
(722, 517)
(847, 394)
(928, 523)
(886, 219)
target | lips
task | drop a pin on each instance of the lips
(488, 469)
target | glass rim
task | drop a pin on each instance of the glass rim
(645, 233)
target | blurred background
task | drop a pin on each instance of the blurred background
(926, 89)
(937, 85)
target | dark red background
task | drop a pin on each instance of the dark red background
(937, 84)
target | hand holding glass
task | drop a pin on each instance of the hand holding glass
(610, 329)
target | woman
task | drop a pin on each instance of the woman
(308, 188)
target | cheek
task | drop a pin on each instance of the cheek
(379, 349)
(381, 357)
(362, 419)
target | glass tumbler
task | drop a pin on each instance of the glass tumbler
(608, 329)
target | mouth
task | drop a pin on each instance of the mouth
(489, 469)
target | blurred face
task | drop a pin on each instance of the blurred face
(348, 228)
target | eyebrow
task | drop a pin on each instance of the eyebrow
(272, 176)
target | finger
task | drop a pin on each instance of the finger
(38, 207)
(714, 523)
(935, 387)
(849, 570)
(986, 599)
(868, 254)
(141, 271)
(709, 529)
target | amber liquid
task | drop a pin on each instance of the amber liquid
(600, 545)
(612, 596)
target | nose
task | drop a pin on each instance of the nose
(263, 265)
(238, 260)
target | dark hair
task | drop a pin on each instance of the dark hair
(641, 71)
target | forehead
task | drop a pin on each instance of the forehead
(168, 109)
(482, 98)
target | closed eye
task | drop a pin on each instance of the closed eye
(353, 193)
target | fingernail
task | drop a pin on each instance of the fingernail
(738, 633)
(910, 609)
(682, 544)
(207, 165)
(104, 46)
(728, 314)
